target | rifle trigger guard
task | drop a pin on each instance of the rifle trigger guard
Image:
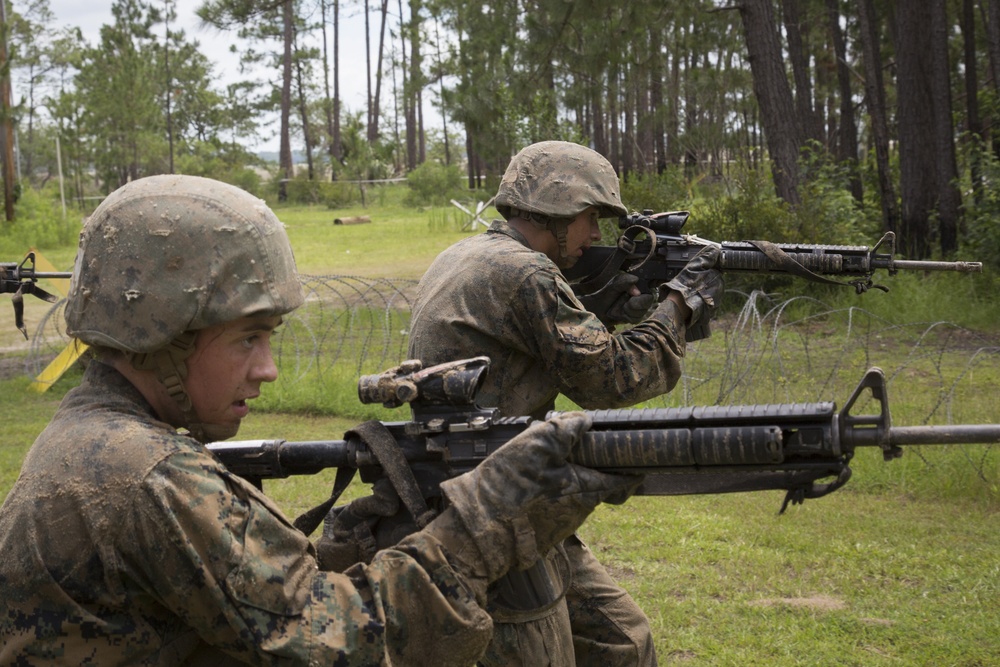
(800, 494)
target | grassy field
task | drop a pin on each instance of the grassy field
(892, 570)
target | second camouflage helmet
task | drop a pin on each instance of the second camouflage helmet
(558, 179)
(168, 254)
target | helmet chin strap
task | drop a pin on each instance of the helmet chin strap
(559, 230)
(168, 365)
(557, 226)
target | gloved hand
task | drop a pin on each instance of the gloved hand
(352, 532)
(524, 499)
(700, 284)
(614, 304)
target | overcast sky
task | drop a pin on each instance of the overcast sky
(90, 15)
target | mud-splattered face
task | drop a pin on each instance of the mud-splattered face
(227, 368)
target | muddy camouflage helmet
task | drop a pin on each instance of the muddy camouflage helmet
(169, 254)
(558, 179)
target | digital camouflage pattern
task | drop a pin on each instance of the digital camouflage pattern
(559, 179)
(126, 543)
(167, 254)
(492, 295)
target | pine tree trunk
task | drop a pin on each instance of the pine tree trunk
(972, 97)
(949, 204)
(847, 146)
(800, 70)
(774, 96)
(918, 180)
(285, 143)
(875, 96)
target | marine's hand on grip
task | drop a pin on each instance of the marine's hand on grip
(701, 286)
(619, 301)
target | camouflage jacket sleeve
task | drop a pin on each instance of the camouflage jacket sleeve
(593, 367)
(248, 582)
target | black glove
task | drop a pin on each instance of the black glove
(613, 304)
(352, 533)
(701, 286)
(524, 499)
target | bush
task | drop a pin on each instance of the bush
(668, 191)
(433, 184)
(38, 223)
(745, 207)
(224, 163)
(332, 194)
(982, 242)
(828, 212)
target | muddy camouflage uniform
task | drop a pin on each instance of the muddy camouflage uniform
(492, 295)
(125, 542)
(515, 307)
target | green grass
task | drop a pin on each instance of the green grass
(852, 579)
(898, 568)
(399, 242)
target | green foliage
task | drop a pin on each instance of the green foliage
(915, 296)
(434, 184)
(743, 206)
(225, 163)
(828, 213)
(982, 241)
(449, 218)
(667, 191)
(331, 194)
(38, 223)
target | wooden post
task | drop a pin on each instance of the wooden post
(6, 119)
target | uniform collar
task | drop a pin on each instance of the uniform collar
(503, 227)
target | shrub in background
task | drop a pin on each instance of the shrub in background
(667, 191)
(434, 184)
(332, 194)
(226, 163)
(38, 223)
(982, 240)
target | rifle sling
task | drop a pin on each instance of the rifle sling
(782, 260)
(379, 440)
(624, 250)
(18, 300)
(308, 521)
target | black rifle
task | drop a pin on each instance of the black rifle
(22, 278)
(693, 450)
(652, 248)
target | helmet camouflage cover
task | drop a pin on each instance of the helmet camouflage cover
(558, 179)
(168, 254)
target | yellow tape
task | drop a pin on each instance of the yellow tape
(58, 366)
(42, 264)
(65, 360)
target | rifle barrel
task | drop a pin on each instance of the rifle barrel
(962, 434)
(276, 459)
(51, 275)
(920, 265)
